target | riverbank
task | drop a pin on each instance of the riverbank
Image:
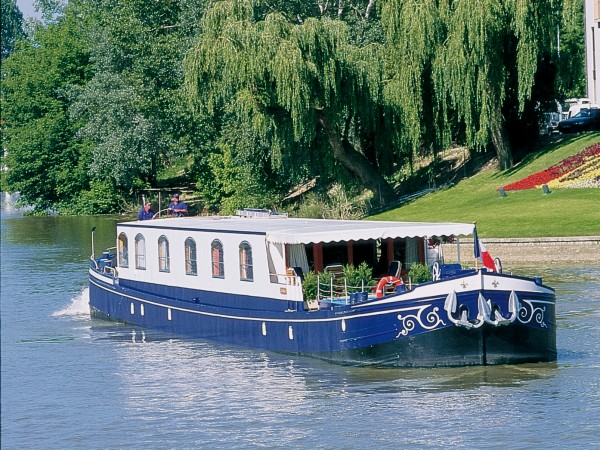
(527, 213)
(550, 250)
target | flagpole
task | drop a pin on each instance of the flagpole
(475, 245)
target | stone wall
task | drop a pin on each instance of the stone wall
(554, 250)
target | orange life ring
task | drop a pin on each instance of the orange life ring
(386, 280)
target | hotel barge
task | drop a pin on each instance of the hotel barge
(239, 280)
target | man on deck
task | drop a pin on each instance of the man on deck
(146, 213)
(177, 208)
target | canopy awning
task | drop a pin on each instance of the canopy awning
(284, 230)
(324, 231)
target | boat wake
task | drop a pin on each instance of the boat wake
(79, 306)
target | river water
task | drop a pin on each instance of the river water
(72, 382)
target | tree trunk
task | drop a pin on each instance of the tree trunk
(356, 162)
(501, 143)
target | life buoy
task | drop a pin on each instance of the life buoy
(386, 280)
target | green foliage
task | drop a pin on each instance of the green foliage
(236, 176)
(124, 140)
(334, 204)
(101, 198)
(133, 109)
(46, 161)
(571, 67)
(12, 26)
(454, 66)
(310, 285)
(419, 273)
(293, 86)
(281, 92)
(356, 279)
(359, 277)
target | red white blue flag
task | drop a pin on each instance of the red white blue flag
(481, 253)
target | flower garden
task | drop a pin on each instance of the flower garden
(578, 171)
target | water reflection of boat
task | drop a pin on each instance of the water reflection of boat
(245, 280)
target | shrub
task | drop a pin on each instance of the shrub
(101, 198)
(309, 286)
(357, 277)
(419, 273)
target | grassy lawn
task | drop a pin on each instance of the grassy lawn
(527, 213)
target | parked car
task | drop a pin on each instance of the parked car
(585, 120)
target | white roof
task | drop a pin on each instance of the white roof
(305, 231)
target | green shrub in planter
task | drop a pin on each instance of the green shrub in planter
(309, 286)
(357, 277)
(419, 273)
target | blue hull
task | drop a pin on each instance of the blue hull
(401, 332)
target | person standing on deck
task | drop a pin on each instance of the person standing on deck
(146, 213)
(177, 208)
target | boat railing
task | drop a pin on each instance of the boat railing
(105, 263)
(110, 270)
(288, 279)
(337, 290)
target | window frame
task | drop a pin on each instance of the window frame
(246, 265)
(140, 256)
(164, 263)
(217, 259)
(123, 250)
(191, 257)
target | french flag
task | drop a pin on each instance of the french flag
(481, 253)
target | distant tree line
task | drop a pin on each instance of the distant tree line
(248, 99)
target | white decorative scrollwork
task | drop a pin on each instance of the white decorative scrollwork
(427, 320)
(435, 271)
(532, 313)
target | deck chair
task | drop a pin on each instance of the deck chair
(337, 271)
(394, 269)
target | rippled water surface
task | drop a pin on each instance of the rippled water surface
(72, 382)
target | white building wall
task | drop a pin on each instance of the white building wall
(592, 49)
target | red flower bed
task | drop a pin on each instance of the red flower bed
(555, 171)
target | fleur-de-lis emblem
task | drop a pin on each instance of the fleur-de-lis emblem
(495, 283)
(464, 284)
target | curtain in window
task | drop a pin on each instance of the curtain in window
(412, 251)
(163, 254)
(140, 252)
(246, 272)
(298, 258)
(191, 267)
(123, 251)
(217, 259)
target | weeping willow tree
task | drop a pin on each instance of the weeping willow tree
(295, 86)
(465, 65)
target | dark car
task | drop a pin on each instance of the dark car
(585, 120)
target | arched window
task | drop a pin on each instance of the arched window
(246, 273)
(216, 251)
(191, 267)
(140, 252)
(163, 254)
(123, 250)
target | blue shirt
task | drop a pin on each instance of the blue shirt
(182, 207)
(145, 215)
